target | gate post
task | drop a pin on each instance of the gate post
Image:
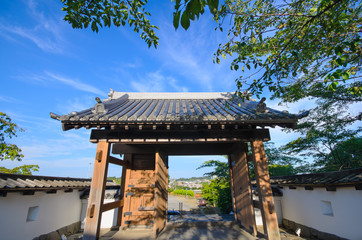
(240, 184)
(266, 201)
(96, 194)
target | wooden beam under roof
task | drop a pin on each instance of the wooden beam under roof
(199, 135)
(175, 149)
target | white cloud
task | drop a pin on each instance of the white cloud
(45, 43)
(75, 83)
(46, 34)
(8, 99)
(66, 145)
(75, 104)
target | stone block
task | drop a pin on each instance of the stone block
(73, 228)
(50, 236)
(292, 225)
(64, 231)
(77, 226)
(285, 223)
(313, 233)
(327, 236)
(305, 231)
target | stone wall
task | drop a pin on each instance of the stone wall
(56, 235)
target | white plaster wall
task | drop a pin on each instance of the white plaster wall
(109, 218)
(304, 207)
(55, 211)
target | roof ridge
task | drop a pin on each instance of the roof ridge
(170, 95)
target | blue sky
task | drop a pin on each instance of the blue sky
(46, 66)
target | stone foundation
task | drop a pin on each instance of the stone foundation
(56, 235)
(308, 232)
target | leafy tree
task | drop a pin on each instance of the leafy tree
(325, 134)
(218, 191)
(349, 151)
(23, 169)
(8, 130)
(221, 169)
(280, 163)
(292, 45)
(98, 14)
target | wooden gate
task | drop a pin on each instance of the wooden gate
(161, 193)
(139, 191)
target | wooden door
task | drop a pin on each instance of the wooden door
(240, 184)
(139, 192)
(161, 193)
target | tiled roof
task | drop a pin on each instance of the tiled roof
(174, 108)
(16, 182)
(341, 178)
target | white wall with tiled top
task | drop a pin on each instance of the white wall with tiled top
(48, 212)
(337, 212)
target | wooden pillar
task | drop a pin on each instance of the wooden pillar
(161, 193)
(266, 201)
(240, 182)
(96, 195)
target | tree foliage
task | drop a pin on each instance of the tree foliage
(8, 130)
(221, 169)
(324, 131)
(218, 191)
(349, 151)
(104, 13)
(23, 169)
(291, 45)
(280, 163)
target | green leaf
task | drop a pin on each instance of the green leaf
(345, 75)
(338, 50)
(185, 21)
(213, 6)
(196, 7)
(176, 19)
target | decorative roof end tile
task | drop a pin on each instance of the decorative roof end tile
(261, 107)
